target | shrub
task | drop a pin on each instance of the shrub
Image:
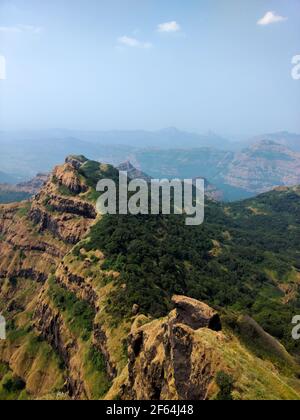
(79, 313)
(225, 383)
(14, 384)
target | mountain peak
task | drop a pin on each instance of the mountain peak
(133, 173)
(126, 166)
(76, 161)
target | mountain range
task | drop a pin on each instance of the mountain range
(256, 169)
(239, 172)
(143, 307)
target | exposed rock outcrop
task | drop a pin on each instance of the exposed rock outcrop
(195, 314)
(66, 176)
(166, 358)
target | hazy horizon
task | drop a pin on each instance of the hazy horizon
(61, 132)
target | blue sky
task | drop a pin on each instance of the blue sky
(147, 64)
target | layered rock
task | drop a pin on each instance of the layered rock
(68, 177)
(35, 236)
(166, 359)
(67, 217)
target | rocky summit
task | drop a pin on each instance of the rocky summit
(142, 307)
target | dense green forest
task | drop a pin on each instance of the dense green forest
(241, 258)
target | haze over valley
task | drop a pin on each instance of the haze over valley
(238, 169)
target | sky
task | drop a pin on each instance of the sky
(198, 65)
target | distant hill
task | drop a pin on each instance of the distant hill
(132, 172)
(211, 190)
(22, 191)
(285, 138)
(262, 167)
(259, 168)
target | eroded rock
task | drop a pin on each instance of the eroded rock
(168, 360)
(196, 314)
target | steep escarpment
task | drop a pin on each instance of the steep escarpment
(142, 306)
(172, 359)
(35, 237)
(161, 364)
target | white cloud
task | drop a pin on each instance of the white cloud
(133, 42)
(271, 17)
(17, 29)
(169, 27)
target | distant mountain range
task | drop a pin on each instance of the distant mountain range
(240, 170)
(166, 138)
(211, 190)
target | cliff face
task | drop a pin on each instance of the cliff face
(165, 360)
(263, 166)
(64, 339)
(35, 237)
(179, 357)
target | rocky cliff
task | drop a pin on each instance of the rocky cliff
(180, 356)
